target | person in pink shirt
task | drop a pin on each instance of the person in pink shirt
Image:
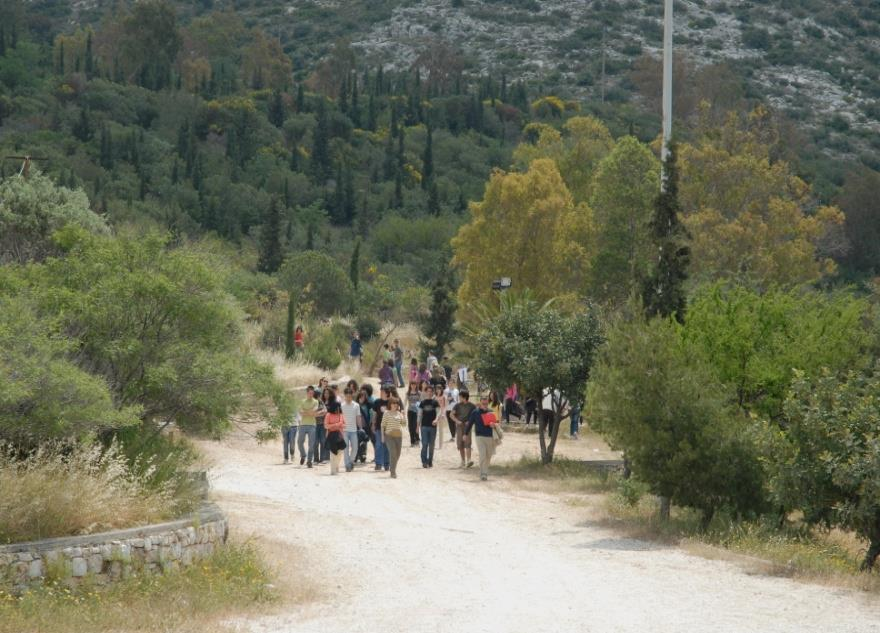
(510, 397)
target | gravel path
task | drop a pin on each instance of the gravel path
(437, 550)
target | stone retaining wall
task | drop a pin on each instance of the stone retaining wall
(110, 556)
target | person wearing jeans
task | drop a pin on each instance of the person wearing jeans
(575, 420)
(351, 413)
(288, 436)
(307, 412)
(429, 407)
(379, 408)
(398, 363)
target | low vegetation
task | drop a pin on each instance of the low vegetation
(235, 580)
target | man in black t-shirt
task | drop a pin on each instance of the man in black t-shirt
(460, 414)
(428, 428)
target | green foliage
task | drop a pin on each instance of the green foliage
(325, 348)
(156, 323)
(753, 341)
(43, 394)
(663, 291)
(32, 209)
(315, 278)
(656, 400)
(367, 326)
(270, 239)
(439, 324)
(539, 349)
(824, 462)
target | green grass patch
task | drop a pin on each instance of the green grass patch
(233, 580)
(571, 474)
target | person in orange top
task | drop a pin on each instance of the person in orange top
(334, 425)
(298, 339)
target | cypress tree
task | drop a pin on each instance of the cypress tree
(287, 198)
(394, 119)
(438, 326)
(289, 347)
(433, 199)
(355, 113)
(142, 191)
(90, 61)
(183, 146)
(276, 109)
(364, 219)
(270, 239)
(300, 98)
(320, 148)
(389, 162)
(348, 201)
(354, 267)
(60, 53)
(198, 172)
(428, 160)
(106, 158)
(371, 114)
(294, 159)
(310, 237)
(343, 96)
(83, 129)
(175, 175)
(663, 292)
(398, 190)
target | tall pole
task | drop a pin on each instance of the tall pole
(667, 84)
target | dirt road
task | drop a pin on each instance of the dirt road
(438, 550)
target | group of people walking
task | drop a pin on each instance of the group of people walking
(340, 424)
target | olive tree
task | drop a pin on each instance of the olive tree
(541, 349)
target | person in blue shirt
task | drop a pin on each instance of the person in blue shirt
(357, 348)
(482, 420)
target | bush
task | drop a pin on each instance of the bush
(62, 490)
(368, 327)
(824, 462)
(325, 347)
(315, 278)
(653, 398)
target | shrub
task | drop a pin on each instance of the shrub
(316, 278)
(325, 348)
(824, 462)
(653, 398)
(367, 326)
(61, 490)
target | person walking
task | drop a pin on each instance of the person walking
(460, 414)
(414, 370)
(482, 420)
(386, 375)
(398, 362)
(334, 425)
(288, 437)
(531, 410)
(307, 412)
(431, 361)
(364, 399)
(575, 415)
(356, 350)
(413, 398)
(380, 406)
(441, 415)
(463, 377)
(321, 452)
(393, 424)
(428, 426)
(451, 395)
(298, 339)
(351, 415)
(424, 373)
(510, 398)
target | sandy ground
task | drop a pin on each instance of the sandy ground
(438, 550)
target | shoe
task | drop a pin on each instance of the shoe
(470, 464)
(484, 477)
(309, 464)
(462, 465)
(302, 460)
(430, 465)
(424, 465)
(394, 475)
(387, 468)
(286, 461)
(378, 467)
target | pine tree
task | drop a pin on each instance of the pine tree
(663, 292)
(321, 145)
(289, 347)
(354, 267)
(428, 160)
(271, 254)
(439, 325)
(276, 109)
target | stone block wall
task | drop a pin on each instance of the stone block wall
(110, 556)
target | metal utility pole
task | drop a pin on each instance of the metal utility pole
(667, 85)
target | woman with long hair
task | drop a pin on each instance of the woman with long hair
(440, 397)
(413, 397)
(334, 425)
(393, 424)
(321, 452)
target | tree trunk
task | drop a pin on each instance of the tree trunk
(873, 547)
(664, 508)
(542, 426)
(627, 467)
(554, 434)
(706, 519)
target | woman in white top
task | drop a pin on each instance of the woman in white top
(451, 394)
(440, 396)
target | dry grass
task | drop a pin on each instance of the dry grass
(79, 489)
(233, 582)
